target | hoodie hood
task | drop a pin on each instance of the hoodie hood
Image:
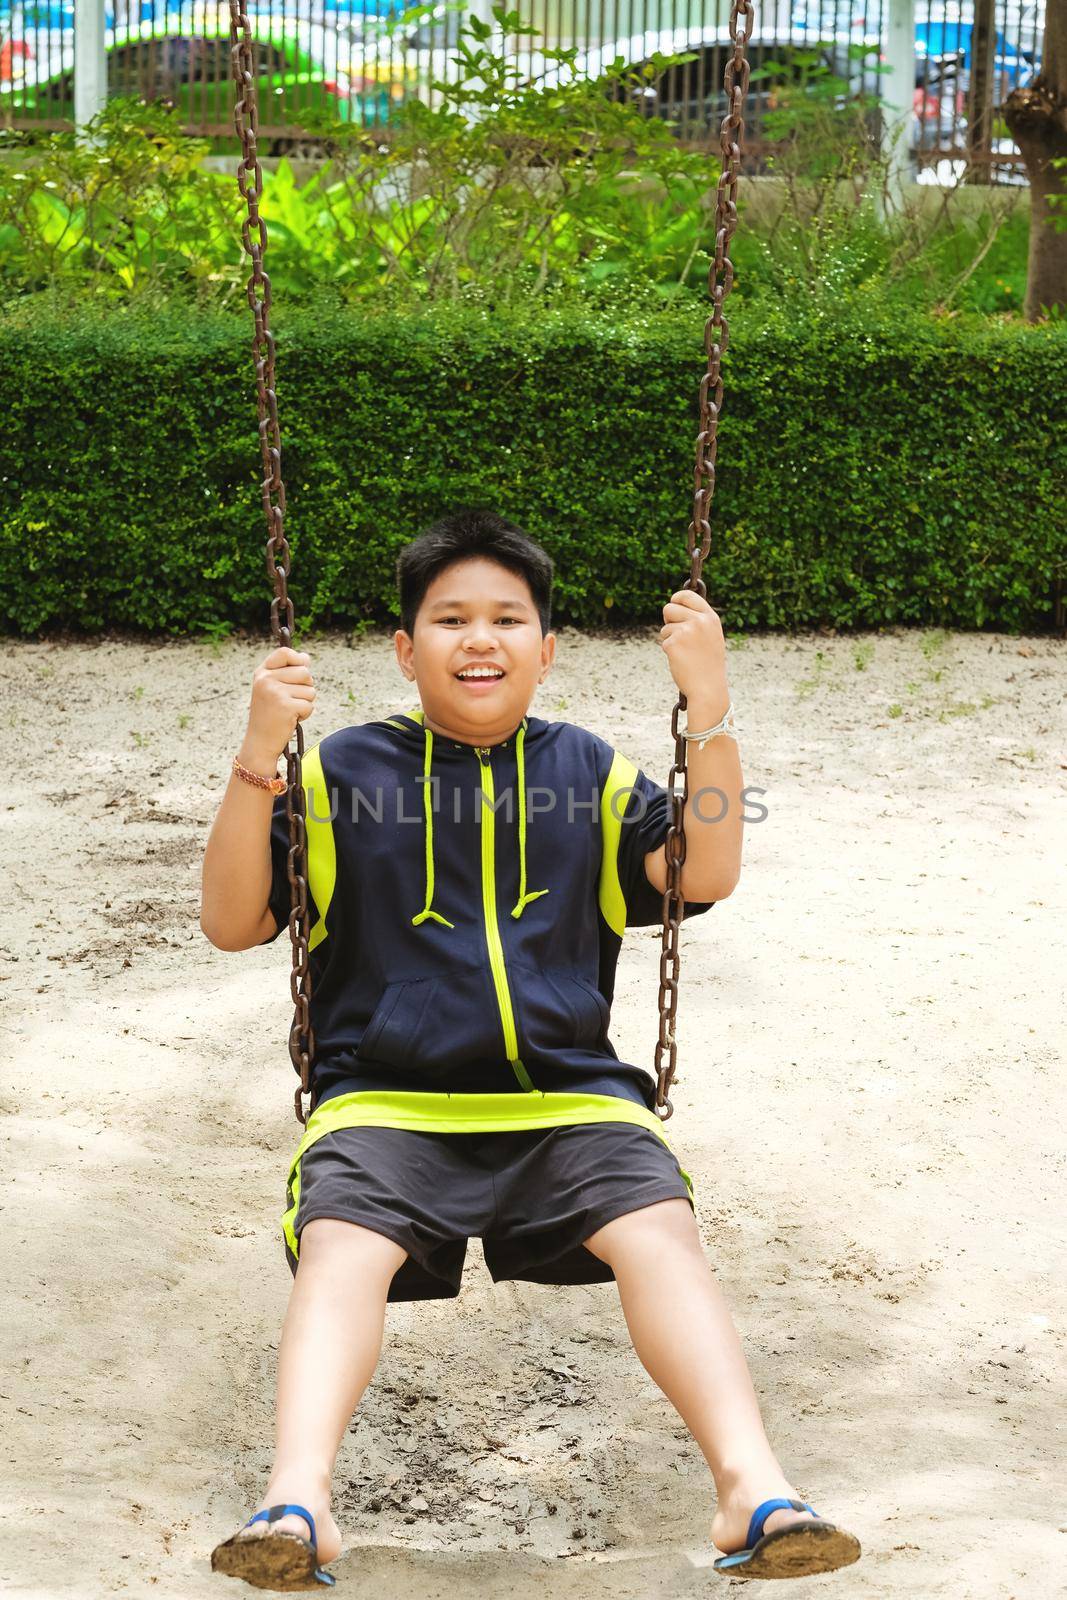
(413, 724)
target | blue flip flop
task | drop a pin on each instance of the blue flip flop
(282, 1561)
(790, 1552)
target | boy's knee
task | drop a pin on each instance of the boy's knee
(349, 1246)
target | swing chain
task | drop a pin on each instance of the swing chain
(278, 561)
(698, 537)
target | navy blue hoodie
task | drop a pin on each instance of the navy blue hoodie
(467, 908)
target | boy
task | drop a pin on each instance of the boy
(471, 869)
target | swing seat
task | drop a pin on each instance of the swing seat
(278, 1561)
(794, 1552)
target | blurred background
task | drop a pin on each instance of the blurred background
(358, 61)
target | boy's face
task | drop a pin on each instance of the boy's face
(476, 613)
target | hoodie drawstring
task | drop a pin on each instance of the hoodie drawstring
(427, 807)
(524, 899)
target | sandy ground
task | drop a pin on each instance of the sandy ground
(868, 1101)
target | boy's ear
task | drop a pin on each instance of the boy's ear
(405, 646)
(548, 655)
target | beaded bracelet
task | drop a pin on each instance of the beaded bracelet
(276, 785)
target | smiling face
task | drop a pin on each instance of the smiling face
(477, 653)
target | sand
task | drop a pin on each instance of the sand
(870, 1101)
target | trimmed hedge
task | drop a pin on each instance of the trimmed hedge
(869, 474)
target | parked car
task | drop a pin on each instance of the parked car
(693, 94)
(311, 66)
(35, 15)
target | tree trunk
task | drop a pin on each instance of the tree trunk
(1037, 120)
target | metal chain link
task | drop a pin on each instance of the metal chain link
(254, 239)
(698, 538)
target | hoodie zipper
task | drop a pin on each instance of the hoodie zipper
(492, 929)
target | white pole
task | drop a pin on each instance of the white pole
(90, 61)
(898, 91)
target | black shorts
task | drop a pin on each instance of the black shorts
(531, 1196)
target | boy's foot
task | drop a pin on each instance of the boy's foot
(784, 1549)
(327, 1533)
(316, 1498)
(729, 1525)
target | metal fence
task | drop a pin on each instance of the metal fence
(344, 59)
(968, 60)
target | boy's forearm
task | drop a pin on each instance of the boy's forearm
(692, 638)
(713, 822)
(236, 879)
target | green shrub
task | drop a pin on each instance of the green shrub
(869, 474)
(522, 186)
(129, 212)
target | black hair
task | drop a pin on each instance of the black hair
(464, 534)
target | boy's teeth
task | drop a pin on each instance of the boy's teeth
(482, 672)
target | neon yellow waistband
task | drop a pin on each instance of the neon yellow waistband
(429, 1112)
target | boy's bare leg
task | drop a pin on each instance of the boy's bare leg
(686, 1340)
(330, 1344)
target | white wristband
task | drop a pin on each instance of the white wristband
(727, 725)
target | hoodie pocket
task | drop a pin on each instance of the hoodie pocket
(558, 1011)
(431, 1025)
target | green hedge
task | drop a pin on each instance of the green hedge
(869, 474)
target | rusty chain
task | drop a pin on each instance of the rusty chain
(254, 239)
(716, 338)
(698, 538)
